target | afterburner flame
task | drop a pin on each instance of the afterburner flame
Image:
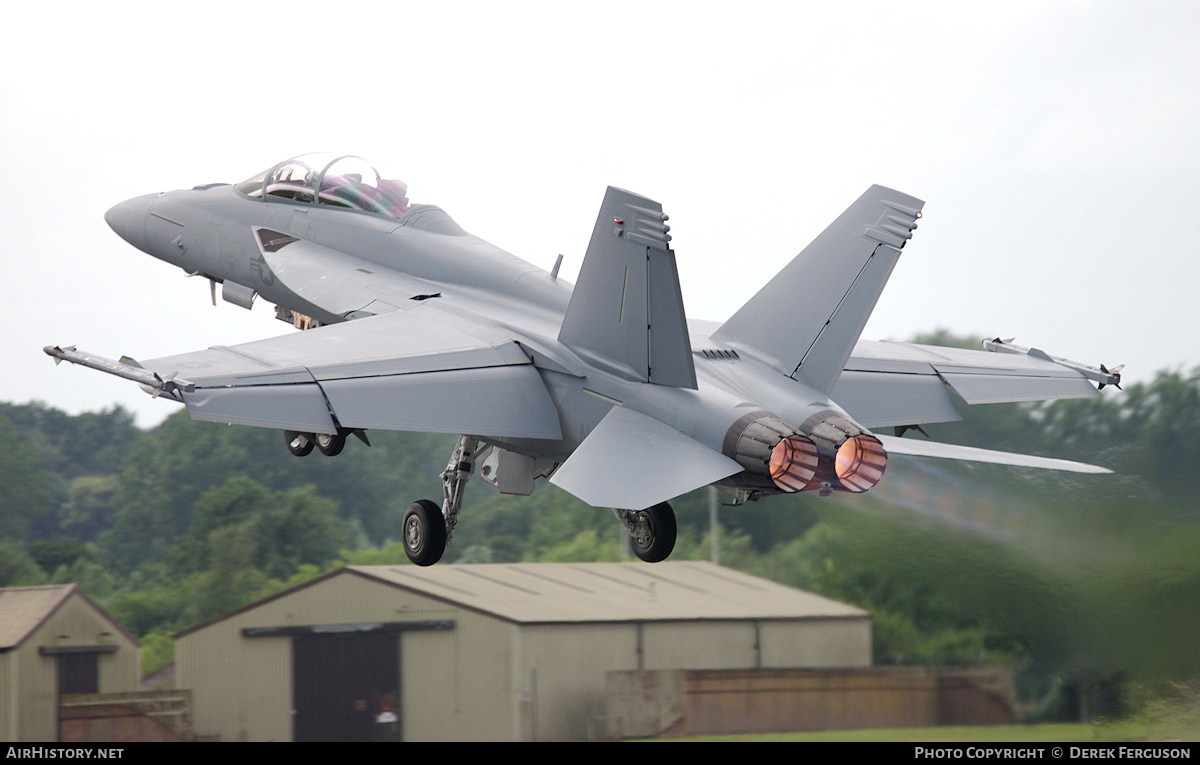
(793, 463)
(859, 463)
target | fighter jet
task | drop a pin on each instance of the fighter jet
(604, 387)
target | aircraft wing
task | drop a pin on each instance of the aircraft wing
(421, 369)
(894, 383)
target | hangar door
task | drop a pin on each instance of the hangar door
(346, 686)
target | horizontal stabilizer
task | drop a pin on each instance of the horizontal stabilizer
(632, 461)
(806, 320)
(918, 448)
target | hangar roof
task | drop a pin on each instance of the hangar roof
(23, 609)
(590, 592)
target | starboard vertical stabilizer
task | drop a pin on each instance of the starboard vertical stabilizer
(806, 320)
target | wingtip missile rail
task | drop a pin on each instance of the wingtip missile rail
(151, 382)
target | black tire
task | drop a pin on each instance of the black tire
(656, 538)
(424, 533)
(299, 444)
(331, 446)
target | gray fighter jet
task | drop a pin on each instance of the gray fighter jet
(605, 387)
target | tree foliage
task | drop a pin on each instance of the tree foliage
(26, 501)
(241, 524)
(17, 567)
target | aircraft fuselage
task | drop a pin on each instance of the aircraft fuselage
(213, 232)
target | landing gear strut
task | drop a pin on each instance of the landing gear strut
(651, 531)
(426, 531)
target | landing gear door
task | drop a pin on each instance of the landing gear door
(509, 472)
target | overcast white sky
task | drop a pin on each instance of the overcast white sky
(1057, 145)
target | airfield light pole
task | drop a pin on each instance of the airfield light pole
(713, 543)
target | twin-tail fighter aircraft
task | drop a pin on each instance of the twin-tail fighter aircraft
(605, 387)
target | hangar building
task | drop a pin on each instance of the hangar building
(499, 652)
(54, 640)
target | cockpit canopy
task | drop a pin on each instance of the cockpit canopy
(330, 179)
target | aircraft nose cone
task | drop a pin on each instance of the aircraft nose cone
(128, 219)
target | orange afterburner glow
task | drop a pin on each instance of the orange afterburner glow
(793, 463)
(859, 463)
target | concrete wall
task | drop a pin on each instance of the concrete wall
(126, 717)
(683, 703)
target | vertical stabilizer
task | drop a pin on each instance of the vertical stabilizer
(626, 312)
(806, 320)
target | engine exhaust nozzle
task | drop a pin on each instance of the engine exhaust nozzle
(793, 463)
(859, 463)
(852, 459)
(775, 456)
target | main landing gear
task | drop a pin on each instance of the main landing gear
(428, 529)
(651, 531)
